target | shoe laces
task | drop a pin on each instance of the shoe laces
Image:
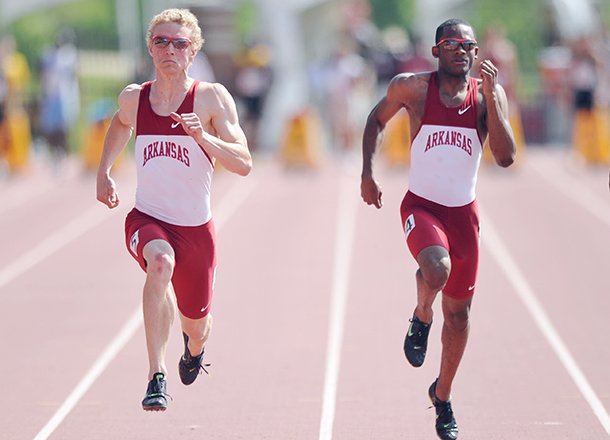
(444, 413)
(443, 409)
(189, 360)
(418, 328)
(157, 388)
(203, 367)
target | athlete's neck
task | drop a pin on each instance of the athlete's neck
(172, 85)
(452, 89)
(166, 95)
(167, 88)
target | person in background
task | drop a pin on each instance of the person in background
(253, 82)
(60, 101)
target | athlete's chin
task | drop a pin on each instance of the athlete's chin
(460, 70)
(169, 67)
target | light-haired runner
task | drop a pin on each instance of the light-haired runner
(182, 127)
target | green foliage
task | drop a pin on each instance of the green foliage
(246, 16)
(94, 26)
(93, 22)
(524, 23)
(393, 12)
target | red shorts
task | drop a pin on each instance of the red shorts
(455, 228)
(195, 250)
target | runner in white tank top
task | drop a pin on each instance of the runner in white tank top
(450, 114)
(182, 127)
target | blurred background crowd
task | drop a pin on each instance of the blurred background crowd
(305, 73)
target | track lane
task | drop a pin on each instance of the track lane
(502, 347)
(272, 309)
(266, 350)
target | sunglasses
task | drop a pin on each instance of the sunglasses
(179, 43)
(454, 43)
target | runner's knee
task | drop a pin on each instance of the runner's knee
(435, 266)
(161, 266)
(436, 273)
(458, 319)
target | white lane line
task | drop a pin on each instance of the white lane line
(575, 190)
(53, 243)
(128, 330)
(62, 237)
(237, 195)
(344, 238)
(500, 252)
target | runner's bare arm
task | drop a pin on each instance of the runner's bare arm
(385, 109)
(228, 142)
(119, 132)
(501, 139)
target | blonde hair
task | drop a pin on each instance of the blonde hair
(183, 17)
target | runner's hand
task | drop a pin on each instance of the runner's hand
(371, 191)
(191, 124)
(106, 191)
(489, 75)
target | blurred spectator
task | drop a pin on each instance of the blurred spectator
(590, 135)
(16, 71)
(350, 92)
(60, 101)
(369, 41)
(585, 68)
(17, 136)
(554, 64)
(418, 59)
(252, 82)
(497, 48)
(4, 135)
(603, 50)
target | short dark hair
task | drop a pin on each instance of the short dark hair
(440, 31)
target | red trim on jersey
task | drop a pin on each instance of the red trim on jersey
(437, 113)
(149, 122)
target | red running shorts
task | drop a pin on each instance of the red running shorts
(195, 250)
(426, 223)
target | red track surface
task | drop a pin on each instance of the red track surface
(313, 297)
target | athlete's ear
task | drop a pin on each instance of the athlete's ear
(435, 51)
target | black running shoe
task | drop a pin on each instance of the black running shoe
(446, 426)
(156, 397)
(190, 366)
(416, 341)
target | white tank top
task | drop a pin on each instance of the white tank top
(446, 151)
(174, 173)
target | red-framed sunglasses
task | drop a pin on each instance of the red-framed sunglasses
(454, 43)
(180, 43)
